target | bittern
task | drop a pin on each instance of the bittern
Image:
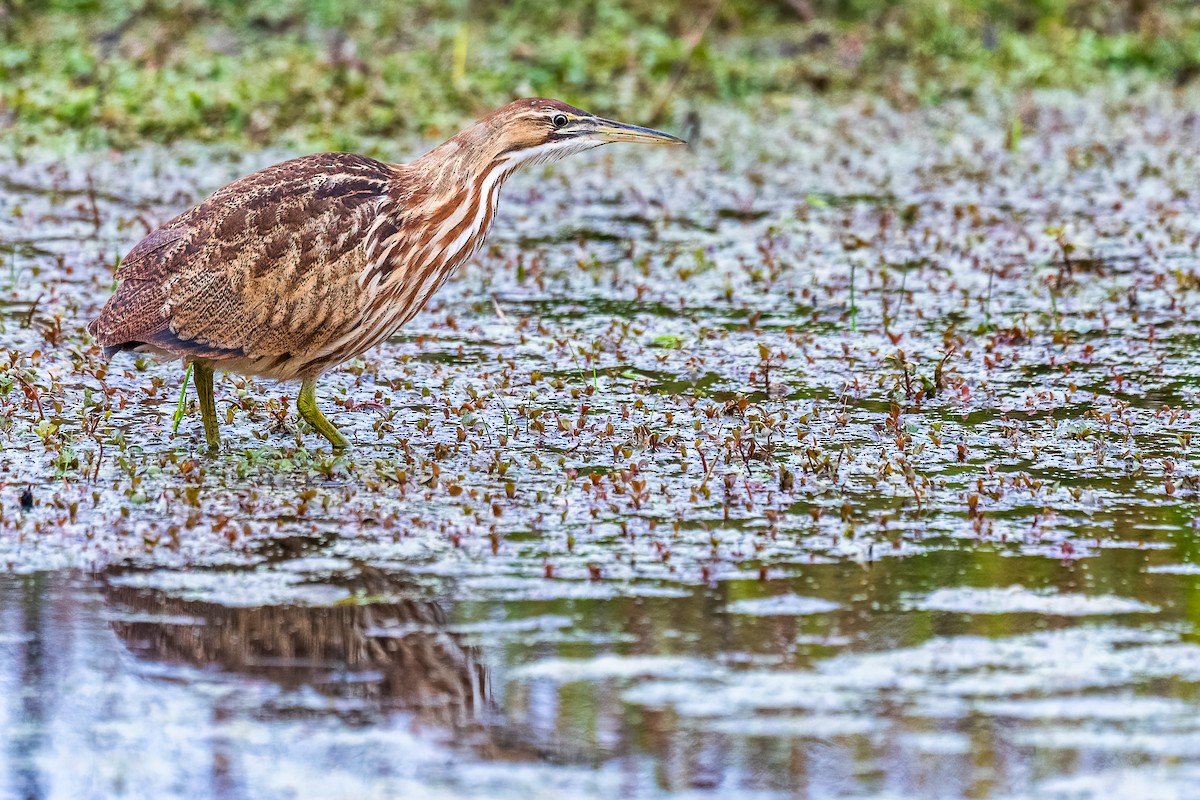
(296, 268)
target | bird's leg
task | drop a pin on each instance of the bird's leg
(306, 404)
(208, 408)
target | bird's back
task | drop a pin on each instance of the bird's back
(265, 268)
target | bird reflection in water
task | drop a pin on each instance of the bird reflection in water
(364, 660)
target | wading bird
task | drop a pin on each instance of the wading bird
(296, 268)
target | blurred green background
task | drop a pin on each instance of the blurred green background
(320, 73)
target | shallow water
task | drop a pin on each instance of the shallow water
(846, 454)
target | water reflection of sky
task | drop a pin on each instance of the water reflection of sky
(112, 688)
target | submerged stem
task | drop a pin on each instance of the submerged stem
(182, 401)
(853, 306)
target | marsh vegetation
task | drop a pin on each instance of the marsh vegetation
(848, 452)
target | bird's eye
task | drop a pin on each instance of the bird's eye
(559, 120)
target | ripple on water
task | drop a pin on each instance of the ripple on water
(236, 589)
(1019, 600)
(970, 669)
(781, 605)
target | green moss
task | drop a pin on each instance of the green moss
(318, 73)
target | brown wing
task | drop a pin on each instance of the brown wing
(268, 265)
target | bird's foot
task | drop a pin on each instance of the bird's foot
(306, 404)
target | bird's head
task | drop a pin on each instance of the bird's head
(536, 130)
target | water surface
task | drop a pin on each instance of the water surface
(848, 454)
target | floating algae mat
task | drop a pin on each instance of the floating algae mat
(849, 452)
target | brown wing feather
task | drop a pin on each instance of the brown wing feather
(266, 266)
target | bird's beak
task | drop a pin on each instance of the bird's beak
(608, 130)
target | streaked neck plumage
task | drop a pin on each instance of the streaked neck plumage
(440, 209)
(436, 215)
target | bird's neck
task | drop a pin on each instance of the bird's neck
(457, 189)
(434, 219)
(459, 165)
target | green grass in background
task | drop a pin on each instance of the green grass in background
(321, 73)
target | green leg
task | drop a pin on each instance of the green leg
(208, 408)
(306, 404)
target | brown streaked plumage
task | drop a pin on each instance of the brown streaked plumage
(303, 265)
